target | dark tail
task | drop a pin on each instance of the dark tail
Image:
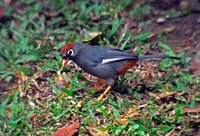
(157, 56)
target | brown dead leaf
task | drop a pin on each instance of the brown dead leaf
(159, 96)
(59, 80)
(67, 130)
(192, 110)
(90, 123)
(192, 120)
(38, 74)
(96, 132)
(121, 121)
(66, 84)
(166, 30)
(21, 76)
(162, 31)
(130, 113)
(145, 74)
(182, 49)
(22, 79)
(36, 120)
(51, 13)
(187, 43)
(195, 67)
(39, 42)
(170, 133)
(12, 90)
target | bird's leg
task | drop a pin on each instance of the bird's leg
(100, 98)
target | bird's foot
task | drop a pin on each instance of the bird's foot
(100, 98)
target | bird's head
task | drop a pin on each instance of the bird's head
(67, 52)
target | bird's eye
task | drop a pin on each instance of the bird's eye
(70, 52)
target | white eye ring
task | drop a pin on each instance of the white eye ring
(70, 52)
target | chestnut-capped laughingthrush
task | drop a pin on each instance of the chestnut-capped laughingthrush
(103, 62)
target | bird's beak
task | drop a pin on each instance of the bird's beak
(64, 63)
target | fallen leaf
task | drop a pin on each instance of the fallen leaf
(192, 120)
(60, 81)
(58, 78)
(97, 132)
(79, 104)
(170, 133)
(130, 113)
(94, 34)
(22, 79)
(162, 31)
(192, 110)
(66, 84)
(51, 13)
(21, 76)
(166, 30)
(39, 42)
(67, 130)
(121, 121)
(159, 96)
(12, 90)
(90, 123)
(92, 37)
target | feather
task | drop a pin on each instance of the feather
(104, 61)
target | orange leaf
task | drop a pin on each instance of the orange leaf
(67, 130)
(121, 121)
(79, 104)
(21, 76)
(192, 110)
(97, 132)
(130, 113)
(66, 84)
(58, 79)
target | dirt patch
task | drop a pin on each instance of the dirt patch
(185, 36)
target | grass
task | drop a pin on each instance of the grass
(31, 35)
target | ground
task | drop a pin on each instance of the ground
(155, 97)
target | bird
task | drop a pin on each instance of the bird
(104, 62)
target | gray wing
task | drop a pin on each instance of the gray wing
(106, 54)
(113, 55)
